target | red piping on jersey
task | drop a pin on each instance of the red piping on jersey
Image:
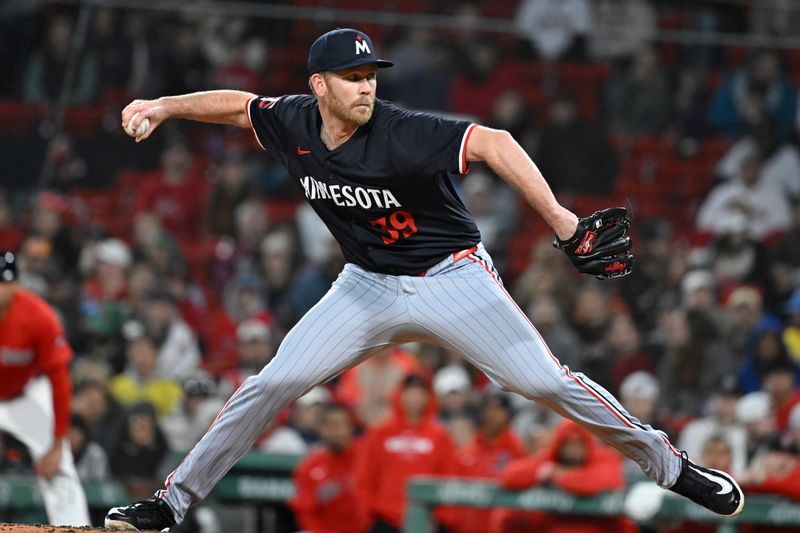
(463, 163)
(457, 256)
(614, 411)
(250, 121)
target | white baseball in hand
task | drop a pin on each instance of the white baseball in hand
(140, 130)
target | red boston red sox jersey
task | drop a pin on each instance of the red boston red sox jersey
(32, 343)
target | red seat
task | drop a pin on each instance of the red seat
(281, 210)
(84, 120)
(715, 147)
(652, 145)
(20, 117)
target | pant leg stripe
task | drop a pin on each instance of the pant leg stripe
(163, 492)
(616, 412)
(629, 419)
(490, 269)
(671, 447)
(490, 266)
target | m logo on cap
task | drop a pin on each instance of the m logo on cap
(362, 46)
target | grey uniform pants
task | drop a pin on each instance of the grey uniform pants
(462, 305)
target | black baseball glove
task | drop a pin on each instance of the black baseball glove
(600, 245)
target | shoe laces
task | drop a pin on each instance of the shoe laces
(150, 505)
(145, 504)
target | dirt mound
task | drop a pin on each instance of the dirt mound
(20, 528)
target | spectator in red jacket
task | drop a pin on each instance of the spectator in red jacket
(176, 193)
(575, 463)
(777, 471)
(327, 499)
(410, 443)
(490, 451)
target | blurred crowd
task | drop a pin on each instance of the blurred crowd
(178, 265)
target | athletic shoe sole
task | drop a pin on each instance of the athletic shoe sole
(120, 525)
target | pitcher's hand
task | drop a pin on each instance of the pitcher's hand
(153, 110)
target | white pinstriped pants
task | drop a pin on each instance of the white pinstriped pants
(462, 305)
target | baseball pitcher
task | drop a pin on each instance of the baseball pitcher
(379, 177)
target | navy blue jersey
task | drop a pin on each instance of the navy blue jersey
(385, 194)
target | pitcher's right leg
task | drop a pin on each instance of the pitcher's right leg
(346, 325)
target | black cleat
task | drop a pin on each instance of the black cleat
(147, 515)
(714, 490)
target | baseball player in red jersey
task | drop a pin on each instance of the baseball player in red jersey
(35, 394)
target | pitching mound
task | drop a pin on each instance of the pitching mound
(19, 528)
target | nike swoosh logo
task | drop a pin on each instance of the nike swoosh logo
(724, 484)
(300, 151)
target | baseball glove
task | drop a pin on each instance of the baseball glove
(600, 245)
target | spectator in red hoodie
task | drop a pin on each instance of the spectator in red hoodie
(176, 193)
(410, 443)
(327, 499)
(490, 451)
(575, 463)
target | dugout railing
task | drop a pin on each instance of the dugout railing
(426, 493)
(262, 480)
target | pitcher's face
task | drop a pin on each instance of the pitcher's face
(350, 94)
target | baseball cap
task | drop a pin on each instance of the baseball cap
(133, 329)
(640, 384)
(253, 330)
(8, 267)
(114, 252)
(318, 394)
(342, 48)
(696, 280)
(199, 383)
(752, 407)
(451, 378)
